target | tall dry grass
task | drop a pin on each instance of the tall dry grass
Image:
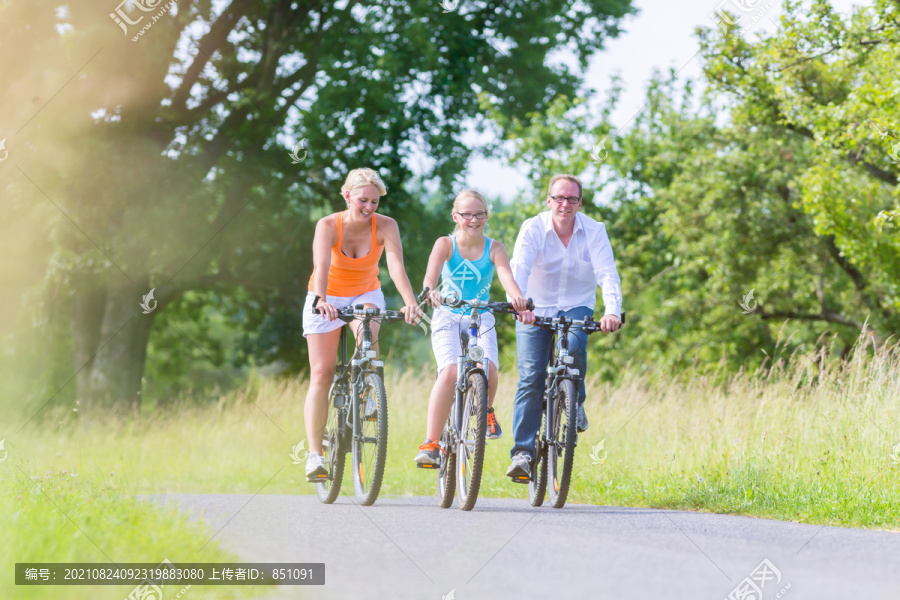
(806, 437)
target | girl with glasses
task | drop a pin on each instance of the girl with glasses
(466, 261)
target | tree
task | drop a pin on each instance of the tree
(767, 180)
(828, 80)
(169, 168)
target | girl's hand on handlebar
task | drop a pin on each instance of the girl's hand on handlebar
(434, 298)
(327, 310)
(519, 303)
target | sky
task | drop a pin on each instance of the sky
(660, 36)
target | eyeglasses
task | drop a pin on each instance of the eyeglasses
(569, 199)
(481, 216)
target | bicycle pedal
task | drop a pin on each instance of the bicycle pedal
(521, 479)
(318, 478)
(423, 466)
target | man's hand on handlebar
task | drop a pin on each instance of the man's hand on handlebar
(520, 304)
(610, 323)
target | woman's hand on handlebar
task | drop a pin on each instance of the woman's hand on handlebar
(412, 312)
(326, 309)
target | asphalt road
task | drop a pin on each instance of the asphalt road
(409, 548)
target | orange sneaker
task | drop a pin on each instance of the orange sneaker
(493, 429)
(429, 454)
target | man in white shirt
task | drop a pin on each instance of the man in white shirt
(560, 258)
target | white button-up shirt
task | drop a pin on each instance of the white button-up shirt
(560, 278)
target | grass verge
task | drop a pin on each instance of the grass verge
(817, 442)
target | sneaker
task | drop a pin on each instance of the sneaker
(520, 466)
(371, 413)
(316, 468)
(581, 422)
(429, 454)
(493, 429)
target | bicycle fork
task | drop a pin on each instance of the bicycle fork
(359, 368)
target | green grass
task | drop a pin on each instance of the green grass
(816, 442)
(61, 516)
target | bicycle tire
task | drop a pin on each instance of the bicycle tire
(562, 444)
(368, 464)
(446, 475)
(537, 487)
(468, 473)
(335, 454)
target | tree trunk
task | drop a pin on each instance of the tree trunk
(114, 382)
(87, 317)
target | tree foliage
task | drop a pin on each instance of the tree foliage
(776, 176)
(160, 160)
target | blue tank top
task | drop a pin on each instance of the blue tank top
(471, 280)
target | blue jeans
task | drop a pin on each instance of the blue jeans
(534, 354)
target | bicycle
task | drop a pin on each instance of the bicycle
(558, 437)
(347, 428)
(463, 438)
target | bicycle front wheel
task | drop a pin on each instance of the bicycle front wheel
(537, 486)
(446, 475)
(561, 445)
(470, 450)
(370, 446)
(335, 453)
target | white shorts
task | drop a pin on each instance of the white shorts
(445, 329)
(316, 323)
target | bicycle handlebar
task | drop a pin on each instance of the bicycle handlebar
(588, 325)
(349, 313)
(455, 302)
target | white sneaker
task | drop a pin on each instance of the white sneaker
(520, 466)
(316, 468)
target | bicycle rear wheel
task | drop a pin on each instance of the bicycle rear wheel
(370, 447)
(446, 475)
(561, 446)
(335, 453)
(470, 450)
(537, 487)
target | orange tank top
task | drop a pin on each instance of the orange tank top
(348, 277)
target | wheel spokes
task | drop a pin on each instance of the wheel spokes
(367, 441)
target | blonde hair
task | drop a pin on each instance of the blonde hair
(358, 178)
(471, 194)
(566, 177)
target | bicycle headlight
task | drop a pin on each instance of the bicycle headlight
(476, 353)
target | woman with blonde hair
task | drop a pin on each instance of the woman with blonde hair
(346, 250)
(466, 261)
